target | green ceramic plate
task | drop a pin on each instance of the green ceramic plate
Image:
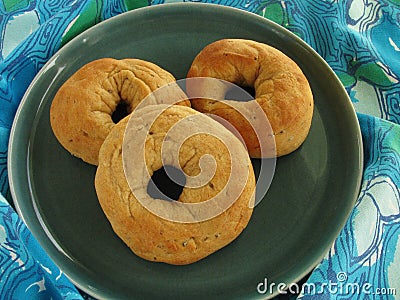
(310, 198)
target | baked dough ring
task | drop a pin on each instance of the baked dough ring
(81, 111)
(281, 89)
(153, 237)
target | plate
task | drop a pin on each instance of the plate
(308, 202)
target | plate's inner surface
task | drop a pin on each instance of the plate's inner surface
(311, 194)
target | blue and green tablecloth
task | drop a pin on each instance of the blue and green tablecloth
(359, 39)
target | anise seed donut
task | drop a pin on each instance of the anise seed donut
(149, 235)
(81, 111)
(281, 89)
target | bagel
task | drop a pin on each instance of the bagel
(281, 90)
(81, 113)
(156, 235)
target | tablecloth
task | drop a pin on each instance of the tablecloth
(359, 39)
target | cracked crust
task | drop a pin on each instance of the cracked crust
(81, 111)
(155, 238)
(281, 89)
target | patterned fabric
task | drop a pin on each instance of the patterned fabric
(359, 39)
(26, 270)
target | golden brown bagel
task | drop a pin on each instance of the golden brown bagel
(281, 89)
(81, 111)
(158, 238)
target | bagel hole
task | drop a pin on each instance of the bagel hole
(166, 183)
(120, 112)
(242, 94)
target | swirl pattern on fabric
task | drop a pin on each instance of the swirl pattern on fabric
(26, 271)
(359, 42)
